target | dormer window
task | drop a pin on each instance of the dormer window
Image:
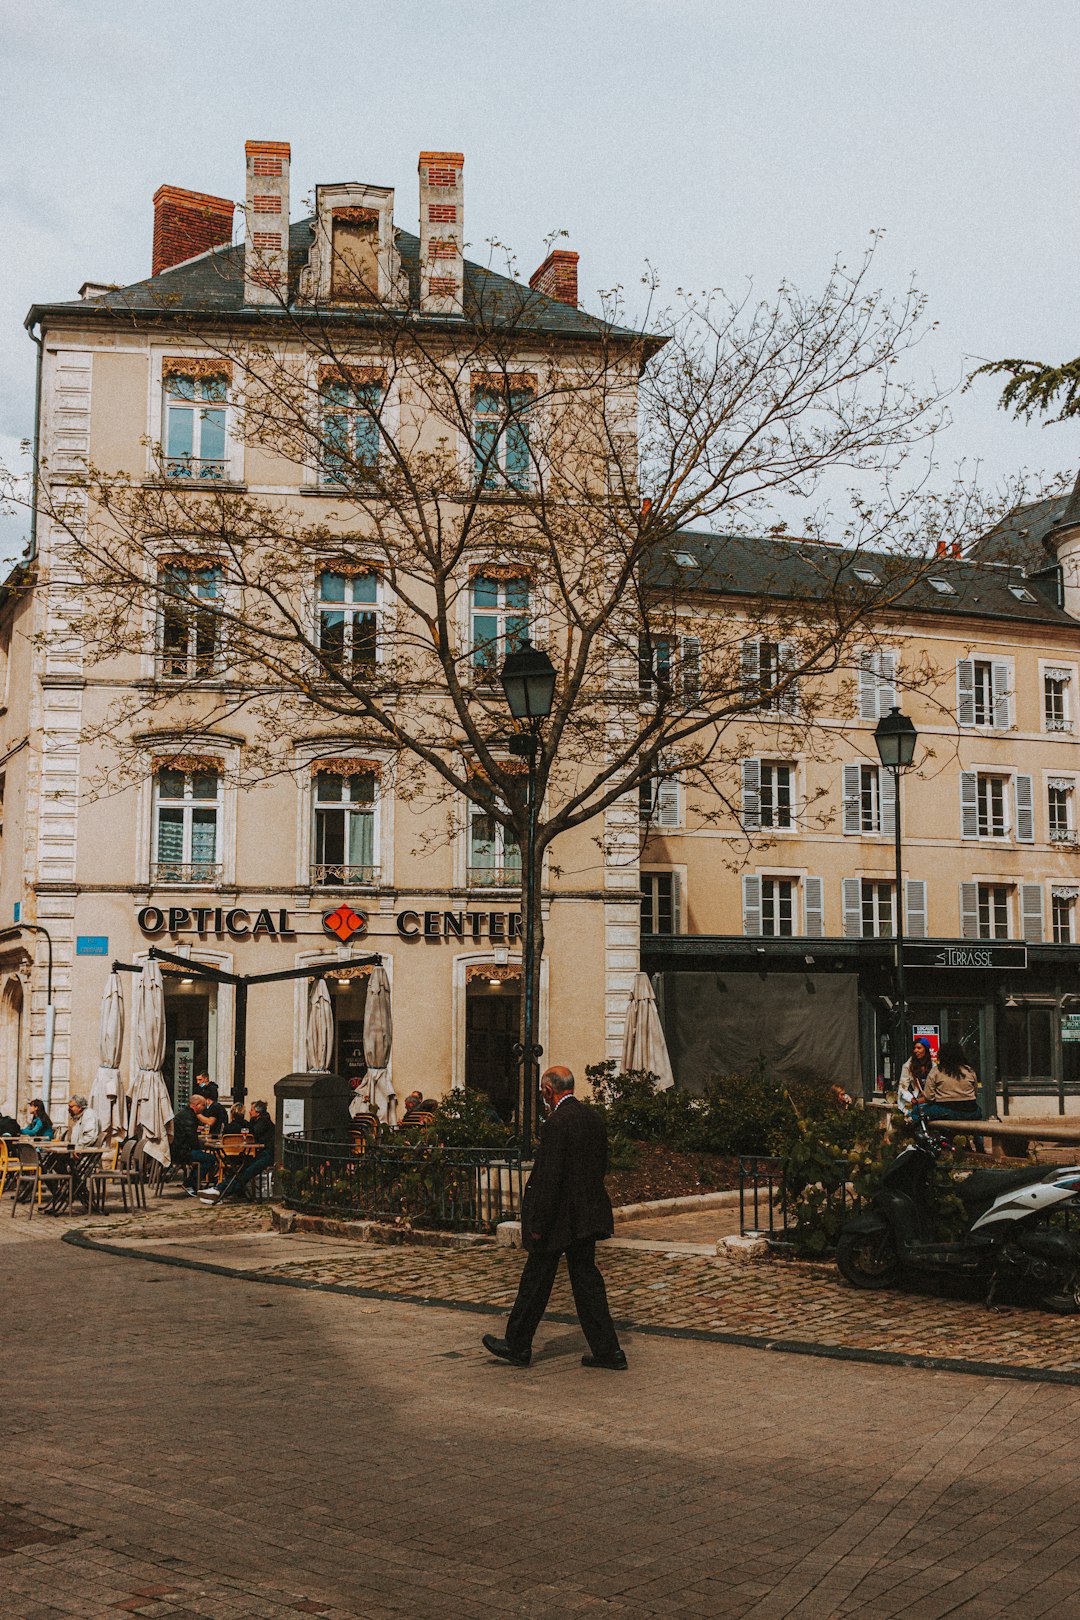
(354, 269)
(1021, 593)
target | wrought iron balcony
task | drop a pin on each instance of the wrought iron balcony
(207, 874)
(1059, 725)
(1063, 835)
(205, 469)
(343, 875)
(493, 877)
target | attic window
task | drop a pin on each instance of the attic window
(686, 559)
(867, 576)
(942, 586)
(1021, 593)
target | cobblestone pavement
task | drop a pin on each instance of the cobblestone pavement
(774, 1301)
(180, 1443)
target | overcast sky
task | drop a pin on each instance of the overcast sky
(720, 141)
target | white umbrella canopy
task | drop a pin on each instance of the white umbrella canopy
(320, 1029)
(378, 1036)
(107, 1095)
(150, 1105)
(644, 1046)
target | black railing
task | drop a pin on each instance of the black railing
(453, 1189)
(765, 1204)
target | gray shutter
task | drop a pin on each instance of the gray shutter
(868, 686)
(969, 911)
(676, 903)
(751, 905)
(751, 794)
(969, 804)
(1025, 810)
(915, 908)
(852, 890)
(887, 688)
(887, 800)
(965, 691)
(814, 894)
(788, 703)
(690, 669)
(852, 799)
(667, 803)
(750, 662)
(1031, 912)
(1000, 677)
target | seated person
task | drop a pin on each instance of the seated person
(39, 1123)
(428, 1105)
(85, 1129)
(951, 1089)
(414, 1102)
(261, 1128)
(186, 1151)
(215, 1116)
(9, 1126)
(237, 1120)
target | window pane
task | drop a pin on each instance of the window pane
(170, 784)
(362, 838)
(517, 454)
(328, 786)
(365, 588)
(170, 835)
(482, 841)
(179, 439)
(364, 638)
(204, 836)
(367, 441)
(485, 592)
(362, 788)
(516, 596)
(180, 387)
(485, 639)
(332, 635)
(329, 837)
(487, 463)
(212, 445)
(204, 785)
(332, 587)
(215, 389)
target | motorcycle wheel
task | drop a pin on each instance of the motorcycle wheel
(1063, 1301)
(867, 1260)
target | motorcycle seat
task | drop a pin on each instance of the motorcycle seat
(983, 1186)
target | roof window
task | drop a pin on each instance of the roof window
(686, 559)
(867, 576)
(942, 586)
(1022, 593)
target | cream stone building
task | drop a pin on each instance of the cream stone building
(765, 920)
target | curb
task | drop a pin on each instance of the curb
(668, 1206)
(290, 1220)
(744, 1341)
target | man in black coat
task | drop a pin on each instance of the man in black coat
(565, 1209)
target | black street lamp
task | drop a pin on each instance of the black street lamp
(528, 680)
(895, 736)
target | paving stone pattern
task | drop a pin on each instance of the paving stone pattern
(178, 1443)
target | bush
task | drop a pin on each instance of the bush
(636, 1108)
(466, 1119)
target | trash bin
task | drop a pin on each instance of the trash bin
(312, 1105)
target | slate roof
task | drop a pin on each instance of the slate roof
(794, 570)
(1022, 536)
(214, 284)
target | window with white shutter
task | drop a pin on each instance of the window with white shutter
(751, 794)
(969, 804)
(851, 889)
(965, 691)
(777, 795)
(915, 924)
(690, 669)
(751, 905)
(1002, 711)
(983, 693)
(852, 790)
(814, 898)
(869, 796)
(658, 801)
(887, 800)
(969, 911)
(1031, 912)
(1025, 810)
(877, 682)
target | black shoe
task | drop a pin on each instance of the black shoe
(615, 1363)
(500, 1348)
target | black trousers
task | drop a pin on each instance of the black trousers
(590, 1298)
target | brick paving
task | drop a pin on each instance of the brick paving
(773, 1301)
(180, 1443)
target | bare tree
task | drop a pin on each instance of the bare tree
(496, 479)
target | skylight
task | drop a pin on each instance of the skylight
(942, 586)
(686, 559)
(1021, 593)
(867, 576)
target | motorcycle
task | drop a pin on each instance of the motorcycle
(1008, 1237)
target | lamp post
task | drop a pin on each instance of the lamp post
(895, 736)
(528, 680)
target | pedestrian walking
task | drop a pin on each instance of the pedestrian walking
(565, 1210)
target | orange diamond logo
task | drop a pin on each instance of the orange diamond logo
(345, 923)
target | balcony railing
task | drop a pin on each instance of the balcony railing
(1063, 835)
(1057, 724)
(493, 877)
(339, 875)
(210, 469)
(206, 873)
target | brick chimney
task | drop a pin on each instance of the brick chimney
(557, 277)
(187, 223)
(266, 222)
(442, 223)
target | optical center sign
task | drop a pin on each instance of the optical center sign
(343, 923)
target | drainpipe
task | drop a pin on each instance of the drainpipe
(39, 344)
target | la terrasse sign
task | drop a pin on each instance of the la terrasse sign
(976, 955)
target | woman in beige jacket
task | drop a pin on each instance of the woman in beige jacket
(951, 1089)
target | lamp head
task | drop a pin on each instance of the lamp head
(528, 680)
(895, 736)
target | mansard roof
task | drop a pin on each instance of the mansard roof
(793, 570)
(213, 285)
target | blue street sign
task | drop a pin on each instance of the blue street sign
(92, 945)
(18, 911)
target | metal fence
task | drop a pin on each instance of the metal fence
(764, 1205)
(452, 1189)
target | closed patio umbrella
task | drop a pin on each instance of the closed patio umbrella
(378, 1035)
(107, 1095)
(320, 1029)
(150, 1105)
(644, 1046)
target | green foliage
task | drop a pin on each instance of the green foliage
(467, 1119)
(1034, 387)
(637, 1109)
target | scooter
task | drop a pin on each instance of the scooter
(1008, 1236)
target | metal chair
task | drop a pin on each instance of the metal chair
(29, 1173)
(123, 1172)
